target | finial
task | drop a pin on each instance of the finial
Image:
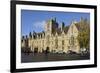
(55, 19)
(81, 19)
(63, 24)
(30, 35)
(22, 37)
(26, 37)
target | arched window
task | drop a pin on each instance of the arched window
(62, 42)
(72, 40)
(48, 42)
(56, 43)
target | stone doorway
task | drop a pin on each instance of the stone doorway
(47, 50)
(35, 50)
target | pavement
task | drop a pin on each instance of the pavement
(42, 57)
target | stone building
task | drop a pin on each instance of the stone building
(54, 38)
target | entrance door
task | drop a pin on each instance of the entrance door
(35, 50)
(47, 50)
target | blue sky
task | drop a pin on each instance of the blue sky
(32, 20)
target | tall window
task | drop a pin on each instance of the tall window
(56, 42)
(62, 42)
(48, 40)
(72, 40)
(43, 43)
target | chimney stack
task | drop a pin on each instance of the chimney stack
(62, 26)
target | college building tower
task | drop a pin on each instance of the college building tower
(54, 38)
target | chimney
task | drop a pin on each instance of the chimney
(30, 35)
(55, 19)
(62, 26)
(81, 18)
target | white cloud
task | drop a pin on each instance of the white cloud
(39, 26)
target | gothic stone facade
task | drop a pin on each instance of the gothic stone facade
(54, 38)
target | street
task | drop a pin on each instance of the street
(42, 57)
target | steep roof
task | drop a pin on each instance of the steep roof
(59, 30)
(81, 26)
(66, 29)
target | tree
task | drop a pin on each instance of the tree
(84, 37)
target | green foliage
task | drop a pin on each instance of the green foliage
(84, 36)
